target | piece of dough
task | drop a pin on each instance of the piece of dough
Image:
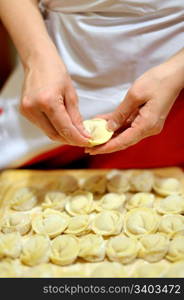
(95, 184)
(64, 184)
(50, 222)
(140, 221)
(111, 201)
(9, 269)
(140, 200)
(153, 247)
(167, 186)
(24, 198)
(92, 248)
(55, 200)
(65, 249)
(10, 244)
(16, 222)
(176, 270)
(36, 250)
(41, 271)
(119, 183)
(176, 249)
(171, 224)
(107, 223)
(151, 270)
(109, 269)
(97, 128)
(142, 182)
(122, 248)
(78, 225)
(80, 203)
(173, 204)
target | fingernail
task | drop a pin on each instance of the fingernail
(112, 125)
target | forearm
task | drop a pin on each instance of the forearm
(26, 27)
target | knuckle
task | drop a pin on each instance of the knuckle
(136, 95)
(25, 106)
(66, 132)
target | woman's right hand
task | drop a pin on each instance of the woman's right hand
(49, 101)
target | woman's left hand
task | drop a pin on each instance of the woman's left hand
(145, 108)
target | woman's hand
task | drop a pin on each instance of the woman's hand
(49, 101)
(145, 107)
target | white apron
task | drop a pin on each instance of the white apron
(106, 45)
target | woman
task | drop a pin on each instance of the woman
(122, 59)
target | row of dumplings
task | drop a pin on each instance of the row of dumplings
(134, 223)
(82, 202)
(65, 249)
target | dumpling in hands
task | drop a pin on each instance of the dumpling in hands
(140, 200)
(92, 248)
(36, 250)
(140, 221)
(65, 249)
(153, 247)
(97, 128)
(78, 225)
(173, 204)
(119, 183)
(176, 249)
(171, 224)
(123, 249)
(95, 184)
(10, 245)
(111, 201)
(24, 198)
(50, 222)
(107, 223)
(55, 200)
(142, 182)
(19, 222)
(167, 186)
(80, 203)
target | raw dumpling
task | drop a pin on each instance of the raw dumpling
(40, 271)
(173, 204)
(176, 270)
(153, 247)
(24, 198)
(151, 270)
(122, 248)
(92, 248)
(111, 201)
(36, 250)
(118, 183)
(9, 269)
(55, 200)
(50, 222)
(80, 203)
(65, 184)
(16, 222)
(10, 245)
(78, 225)
(167, 186)
(142, 182)
(97, 128)
(140, 221)
(107, 223)
(176, 249)
(65, 249)
(109, 269)
(140, 200)
(95, 184)
(171, 224)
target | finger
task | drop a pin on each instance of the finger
(61, 121)
(71, 104)
(130, 103)
(41, 121)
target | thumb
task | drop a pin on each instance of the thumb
(126, 108)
